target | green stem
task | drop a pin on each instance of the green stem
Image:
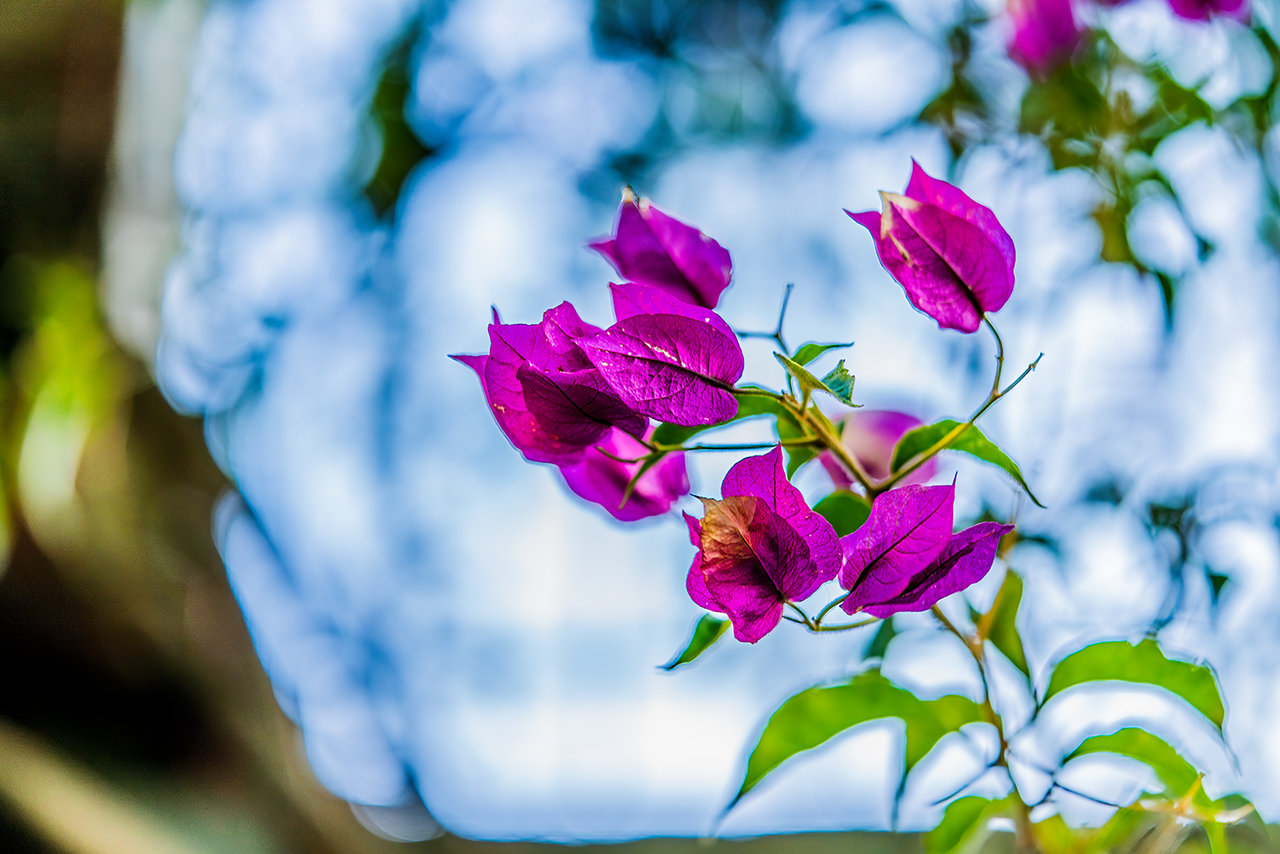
(834, 602)
(744, 446)
(803, 616)
(844, 627)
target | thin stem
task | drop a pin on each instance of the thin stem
(834, 602)
(954, 433)
(776, 334)
(744, 446)
(803, 616)
(844, 627)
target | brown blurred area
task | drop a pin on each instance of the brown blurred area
(134, 716)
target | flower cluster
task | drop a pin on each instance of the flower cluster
(585, 399)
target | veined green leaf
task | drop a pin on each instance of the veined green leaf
(809, 383)
(1175, 773)
(969, 441)
(815, 715)
(845, 510)
(708, 630)
(809, 352)
(1142, 663)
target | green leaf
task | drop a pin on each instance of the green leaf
(1217, 835)
(963, 828)
(749, 406)
(809, 383)
(809, 352)
(705, 633)
(1176, 774)
(1142, 663)
(840, 383)
(969, 441)
(797, 455)
(1003, 630)
(845, 510)
(817, 714)
(880, 643)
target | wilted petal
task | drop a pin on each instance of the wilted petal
(965, 560)
(674, 362)
(908, 528)
(870, 435)
(600, 478)
(695, 583)
(1045, 34)
(651, 248)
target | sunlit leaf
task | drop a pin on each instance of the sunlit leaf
(708, 630)
(845, 510)
(818, 714)
(809, 352)
(1141, 663)
(969, 441)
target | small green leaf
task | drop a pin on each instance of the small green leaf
(840, 383)
(797, 455)
(963, 828)
(1003, 631)
(809, 352)
(969, 441)
(1142, 663)
(1175, 773)
(817, 714)
(705, 633)
(809, 383)
(845, 510)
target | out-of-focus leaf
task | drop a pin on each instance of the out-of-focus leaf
(964, 826)
(1001, 629)
(705, 633)
(1142, 663)
(1176, 774)
(815, 715)
(1217, 835)
(969, 441)
(880, 643)
(845, 510)
(809, 352)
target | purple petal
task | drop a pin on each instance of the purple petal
(924, 188)
(578, 407)
(675, 363)
(561, 329)
(603, 480)
(965, 560)
(1045, 34)
(870, 436)
(1203, 10)
(765, 477)
(695, 583)
(908, 528)
(654, 249)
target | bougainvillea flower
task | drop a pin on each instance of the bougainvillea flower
(965, 560)
(548, 399)
(1203, 10)
(668, 359)
(600, 478)
(759, 547)
(1045, 34)
(949, 253)
(870, 436)
(650, 248)
(908, 528)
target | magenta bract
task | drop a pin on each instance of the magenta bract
(908, 528)
(1045, 34)
(949, 253)
(548, 399)
(650, 248)
(759, 547)
(1203, 10)
(667, 359)
(870, 436)
(965, 560)
(600, 478)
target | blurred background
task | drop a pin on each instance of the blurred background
(273, 581)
